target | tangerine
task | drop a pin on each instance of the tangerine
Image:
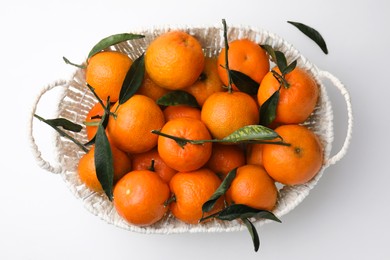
(143, 161)
(297, 163)
(296, 101)
(191, 191)
(225, 112)
(139, 197)
(174, 60)
(131, 129)
(225, 158)
(190, 156)
(253, 187)
(106, 72)
(172, 112)
(244, 56)
(208, 82)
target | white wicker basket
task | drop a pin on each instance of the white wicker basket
(77, 99)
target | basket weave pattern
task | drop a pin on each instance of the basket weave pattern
(77, 100)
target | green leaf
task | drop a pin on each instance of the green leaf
(281, 61)
(55, 123)
(64, 123)
(243, 82)
(104, 162)
(133, 79)
(251, 133)
(236, 211)
(290, 67)
(111, 40)
(268, 109)
(223, 187)
(312, 34)
(253, 232)
(178, 97)
(270, 51)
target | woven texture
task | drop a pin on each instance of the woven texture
(77, 100)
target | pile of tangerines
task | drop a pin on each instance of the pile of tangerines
(158, 169)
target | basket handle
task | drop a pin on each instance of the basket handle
(340, 86)
(35, 149)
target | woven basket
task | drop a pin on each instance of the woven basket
(76, 101)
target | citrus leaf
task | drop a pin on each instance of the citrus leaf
(251, 133)
(290, 67)
(223, 187)
(55, 123)
(312, 34)
(178, 97)
(281, 61)
(104, 162)
(243, 82)
(270, 51)
(133, 79)
(103, 121)
(111, 40)
(64, 123)
(268, 109)
(253, 232)
(236, 211)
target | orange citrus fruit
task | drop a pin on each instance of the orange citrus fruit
(254, 154)
(106, 72)
(225, 158)
(208, 82)
(297, 163)
(224, 112)
(139, 197)
(174, 60)
(191, 191)
(191, 156)
(150, 89)
(131, 129)
(296, 101)
(253, 187)
(244, 56)
(87, 171)
(143, 161)
(172, 112)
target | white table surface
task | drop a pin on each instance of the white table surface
(346, 216)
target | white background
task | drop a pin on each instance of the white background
(347, 214)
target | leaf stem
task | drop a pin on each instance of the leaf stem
(226, 56)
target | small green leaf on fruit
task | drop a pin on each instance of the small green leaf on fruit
(268, 109)
(312, 34)
(178, 97)
(243, 82)
(223, 187)
(104, 162)
(270, 51)
(133, 79)
(281, 61)
(111, 40)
